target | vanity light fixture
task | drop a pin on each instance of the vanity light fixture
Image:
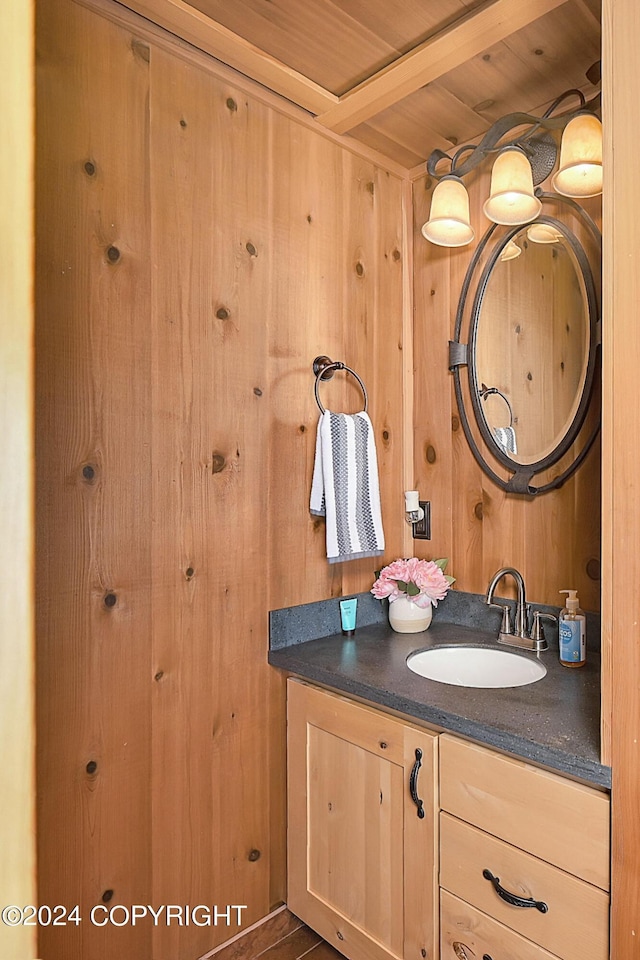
(543, 233)
(449, 224)
(512, 200)
(580, 173)
(526, 155)
(511, 251)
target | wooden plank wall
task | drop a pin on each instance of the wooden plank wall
(621, 411)
(554, 539)
(17, 722)
(197, 249)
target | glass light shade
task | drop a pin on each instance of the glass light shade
(512, 200)
(543, 233)
(511, 251)
(580, 171)
(448, 224)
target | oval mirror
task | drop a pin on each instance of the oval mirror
(532, 340)
(534, 330)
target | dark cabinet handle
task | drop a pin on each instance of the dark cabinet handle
(460, 950)
(513, 898)
(413, 783)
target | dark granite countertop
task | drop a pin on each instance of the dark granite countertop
(554, 722)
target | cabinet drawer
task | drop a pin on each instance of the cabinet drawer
(575, 925)
(468, 934)
(562, 822)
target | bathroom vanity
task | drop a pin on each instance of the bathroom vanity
(432, 821)
(403, 843)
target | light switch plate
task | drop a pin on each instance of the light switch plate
(422, 529)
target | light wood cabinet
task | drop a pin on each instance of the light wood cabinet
(521, 855)
(509, 830)
(362, 853)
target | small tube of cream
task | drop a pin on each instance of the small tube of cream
(348, 616)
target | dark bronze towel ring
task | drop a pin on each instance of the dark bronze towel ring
(324, 369)
(486, 391)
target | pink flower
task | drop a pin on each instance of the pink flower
(431, 581)
(385, 588)
(425, 578)
(423, 601)
(398, 570)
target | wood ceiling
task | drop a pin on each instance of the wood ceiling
(402, 76)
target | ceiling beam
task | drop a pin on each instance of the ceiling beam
(196, 28)
(466, 38)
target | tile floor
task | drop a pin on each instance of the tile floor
(283, 937)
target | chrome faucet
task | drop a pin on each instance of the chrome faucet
(519, 637)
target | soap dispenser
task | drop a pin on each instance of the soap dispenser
(572, 632)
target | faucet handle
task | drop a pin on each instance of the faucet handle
(505, 626)
(537, 630)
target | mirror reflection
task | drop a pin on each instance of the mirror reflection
(532, 341)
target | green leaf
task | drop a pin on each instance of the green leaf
(442, 563)
(402, 585)
(412, 590)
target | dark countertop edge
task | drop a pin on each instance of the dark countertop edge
(588, 771)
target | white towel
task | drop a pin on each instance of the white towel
(345, 486)
(506, 439)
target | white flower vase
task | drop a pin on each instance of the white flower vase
(406, 617)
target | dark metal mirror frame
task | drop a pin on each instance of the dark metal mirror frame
(461, 353)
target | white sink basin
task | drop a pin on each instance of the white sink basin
(465, 666)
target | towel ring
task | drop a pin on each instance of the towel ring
(487, 391)
(324, 369)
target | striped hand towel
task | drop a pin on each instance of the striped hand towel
(345, 486)
(506, 439)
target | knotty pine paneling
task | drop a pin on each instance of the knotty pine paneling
(553, 539)
(197, 249)
(620, 704)
(94, 510)
(335, 44)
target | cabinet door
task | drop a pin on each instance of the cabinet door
(361, 852)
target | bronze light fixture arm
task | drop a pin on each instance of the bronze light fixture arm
(532, 141)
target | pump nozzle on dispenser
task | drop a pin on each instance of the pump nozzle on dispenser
(573, 603)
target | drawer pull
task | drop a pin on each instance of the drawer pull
(460, 950)
(413, 783)
(513, 898)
